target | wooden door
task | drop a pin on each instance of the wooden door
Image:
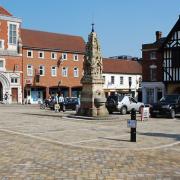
(14, 95)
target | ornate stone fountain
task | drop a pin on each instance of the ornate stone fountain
(92, 96)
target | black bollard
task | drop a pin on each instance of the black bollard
(133, 129)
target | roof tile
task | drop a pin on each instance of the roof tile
(4, 12)
(54, 41)
(121, 66)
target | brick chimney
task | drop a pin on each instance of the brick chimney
(158, 35)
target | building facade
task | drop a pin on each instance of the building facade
(51, 62)
(171, 60)
(10, 57)
(35, 64)
(122, 76)
(152, 82)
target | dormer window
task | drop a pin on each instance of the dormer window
(153, 55)
(13, 34)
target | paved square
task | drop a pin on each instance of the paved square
(41, 144)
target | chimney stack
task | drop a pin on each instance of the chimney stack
(158, 35)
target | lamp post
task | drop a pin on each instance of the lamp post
(130, 83)
(59, 89)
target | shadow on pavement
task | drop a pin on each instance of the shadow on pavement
(114, 139)
(42, 115)
(173, 136)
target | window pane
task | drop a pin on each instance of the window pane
(1, 64)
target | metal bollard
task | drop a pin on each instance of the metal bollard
(133, 129)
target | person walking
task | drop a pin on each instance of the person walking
(6, 96)
(61, 102)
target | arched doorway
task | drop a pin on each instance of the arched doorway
(1, 92)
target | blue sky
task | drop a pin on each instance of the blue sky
(122, 25)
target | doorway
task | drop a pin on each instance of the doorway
(15, 95)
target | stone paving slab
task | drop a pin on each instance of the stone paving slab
(37, 144)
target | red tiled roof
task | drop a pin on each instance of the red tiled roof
(121, 66)
(4, 12)
(54, 41)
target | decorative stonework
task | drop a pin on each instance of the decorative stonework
(92, 96)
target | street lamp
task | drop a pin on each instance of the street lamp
(59, 89)
(130, 83)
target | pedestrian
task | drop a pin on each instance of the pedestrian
(56, 106)
(61, 102)
(6, 96)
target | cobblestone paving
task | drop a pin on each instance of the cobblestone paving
(36, 144)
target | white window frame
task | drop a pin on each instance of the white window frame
(13, 80)
(30, 69)
(2, 42)
(153, 73)
(75, 57)
(12, 43)
(121, 80)
(112, 79)
(53, 71)
(55, 55)
(31, 51)
(64, 55)
(64, 71)
(39, 52)
(4, 65)
(153, 55)
(43, 70)
(76, 72)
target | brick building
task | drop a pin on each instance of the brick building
(161, 66)
(10, 57)
(34, 64)
(51, 61)
(152, 83)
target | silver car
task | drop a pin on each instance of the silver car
(122, 104)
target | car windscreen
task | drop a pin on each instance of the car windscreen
(169, 98)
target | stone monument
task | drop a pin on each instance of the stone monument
(92, 96)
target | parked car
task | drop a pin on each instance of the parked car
(122, 104)
(168, 106)
(71, 102)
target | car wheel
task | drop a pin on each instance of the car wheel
(172, 114)
(110, 112)
(111, 102)
(123, 110)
